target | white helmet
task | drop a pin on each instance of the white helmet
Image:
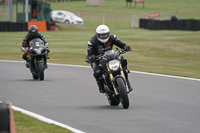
(103, 33)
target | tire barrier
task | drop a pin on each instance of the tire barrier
(7, 124)
(12, 26)
(173, 24)
(20, 26)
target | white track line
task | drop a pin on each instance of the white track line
(162, 75)
(46, 120)
(42, 118)
(146, 73)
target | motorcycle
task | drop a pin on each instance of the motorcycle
(114, 79)
(37, 58)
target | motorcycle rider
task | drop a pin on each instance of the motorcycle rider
(32, 34)
(103, 41)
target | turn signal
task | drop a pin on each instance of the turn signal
(28, 56)
(48, 53)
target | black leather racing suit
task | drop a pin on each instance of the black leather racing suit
(28, 37)
(95, 47)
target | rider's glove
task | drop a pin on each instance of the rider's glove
(23, 49)
(92, 58)
(47, 45)
(127, 48)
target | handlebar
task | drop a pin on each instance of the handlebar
(122, 51)
(98, 57)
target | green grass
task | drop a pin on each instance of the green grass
(165, 52)
(26, 124)
(185, 8)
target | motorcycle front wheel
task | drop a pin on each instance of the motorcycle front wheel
(123, 96)
(41, 70)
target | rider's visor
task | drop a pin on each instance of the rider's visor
(103, 36)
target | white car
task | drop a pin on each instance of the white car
(65, 17)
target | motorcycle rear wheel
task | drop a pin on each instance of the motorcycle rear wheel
(123, 93)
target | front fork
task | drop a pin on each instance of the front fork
(113, 79)
(34, 63)
(44, 58)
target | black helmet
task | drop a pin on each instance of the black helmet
(33, 30)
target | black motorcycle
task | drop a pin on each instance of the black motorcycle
(115, 80)
(37, 58)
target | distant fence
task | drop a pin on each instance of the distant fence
(158, 15)
(13, 26)
(182, 24)
(21, 26)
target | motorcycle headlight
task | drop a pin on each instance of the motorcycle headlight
(113, 65)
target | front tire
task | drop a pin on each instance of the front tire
(41, 70)
(123, 93)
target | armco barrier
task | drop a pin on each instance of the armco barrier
(13, 26)
(182, 24)
(19, 26)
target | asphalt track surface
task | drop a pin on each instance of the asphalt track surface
(70, 96)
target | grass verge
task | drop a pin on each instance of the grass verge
(165, 52)
(26, 124)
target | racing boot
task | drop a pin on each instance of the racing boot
(27, 62)
(45, 65)
(129, 85)
(101, 87)
(100, 84)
